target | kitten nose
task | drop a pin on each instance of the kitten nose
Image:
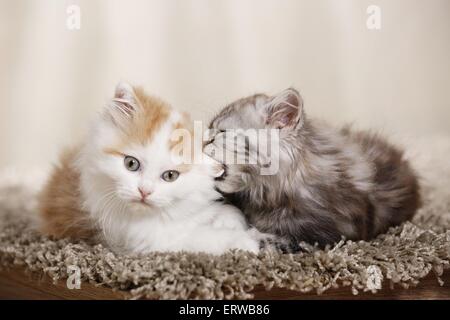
(144, 193)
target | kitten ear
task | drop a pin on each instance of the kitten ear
(285, 110)
(124, 103)
(124, 91)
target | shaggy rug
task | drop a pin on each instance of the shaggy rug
(402, 256)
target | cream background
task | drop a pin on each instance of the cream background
(200, 55)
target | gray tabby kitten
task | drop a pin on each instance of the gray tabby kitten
(330, 183)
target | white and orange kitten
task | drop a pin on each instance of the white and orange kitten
(127, 184)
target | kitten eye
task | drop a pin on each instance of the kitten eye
(170, 175)
(131, 163)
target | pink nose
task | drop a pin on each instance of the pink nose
(144, 193)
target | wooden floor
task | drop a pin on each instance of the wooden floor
(15, 284)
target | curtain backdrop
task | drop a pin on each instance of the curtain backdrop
(200, 55)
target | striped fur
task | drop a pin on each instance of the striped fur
(331, 182)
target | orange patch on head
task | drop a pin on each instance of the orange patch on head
(149, 117)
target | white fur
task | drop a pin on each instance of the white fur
(183, 215)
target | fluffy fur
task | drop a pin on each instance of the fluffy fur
(330, 183)
(92, 192)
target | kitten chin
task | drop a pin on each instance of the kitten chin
(140, 207)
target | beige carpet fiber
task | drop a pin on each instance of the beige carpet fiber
(401, 257)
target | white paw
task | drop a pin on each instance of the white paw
(248, 244)
(259, 236)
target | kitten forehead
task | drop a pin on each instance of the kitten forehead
(152, 119)
(157, 147)
(243, 113)
(151, 116)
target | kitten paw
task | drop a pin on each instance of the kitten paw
(265, 241)
(274, 243)
(248, 244)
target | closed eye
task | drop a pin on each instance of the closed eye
(213, 136)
